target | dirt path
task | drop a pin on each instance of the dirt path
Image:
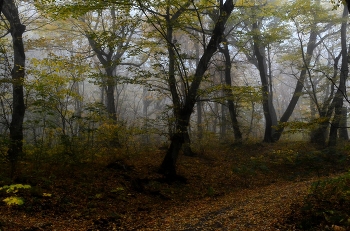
(250, 209)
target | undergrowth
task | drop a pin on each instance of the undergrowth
(124, 180)
(326, 206)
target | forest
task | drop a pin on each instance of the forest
(174, 115)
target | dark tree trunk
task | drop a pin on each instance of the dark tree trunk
(187, 150)
(343, 130)
(168, 166)
(223, 125)
(111, 108)
(341, 91)
(319, 135)
(182, 117)
(182, 129)
(10, 11)
(109, 66)
(199, 105)
(199, 120)
(269, 111)
(228, 91)
(215, 111)
(300, 83)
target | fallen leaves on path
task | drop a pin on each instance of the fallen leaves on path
(248, 209)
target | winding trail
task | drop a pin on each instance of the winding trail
(250, 209)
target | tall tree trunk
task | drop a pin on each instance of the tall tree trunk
(311, 45)
(223, 125)
(146, 103)
(343, 130)
(341, 91)
(186, 148)
(111, 109)
(319, 135)
(182, 117)
(17, 29)
(199, 104)
(269, 110)
(215, 120)
(228, 91)
(199, 120)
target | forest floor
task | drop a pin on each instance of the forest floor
(248, 187)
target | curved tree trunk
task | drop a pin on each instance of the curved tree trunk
(269, 110)
(17, 29)
(311, 45)
(182, 116)
(228, 92)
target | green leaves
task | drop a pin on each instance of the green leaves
(13, 189)
(14, 201)
(76, 8)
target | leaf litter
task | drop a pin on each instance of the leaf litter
(129, 194)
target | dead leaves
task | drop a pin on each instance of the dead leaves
(130, 195)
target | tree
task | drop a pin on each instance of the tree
(16, 29)
(341, 89)
(228, 91)
(176, 66)
(110, 34)
(269, 110)
(183, 108)
(268, 29)
(306, 57)
(54, 102)
(255, 21)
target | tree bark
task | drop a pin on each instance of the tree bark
(269, 111)
(341, 91)
(223, 125)
(111, 108)
(319, 135)
(168, 166)
(228, 91)
(199, 105)
(311, 45)
(17, 29)
(343, 130)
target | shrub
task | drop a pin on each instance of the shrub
(13, 189)
(327, 205)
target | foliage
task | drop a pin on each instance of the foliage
(301, 126)
(13, 189)
(76, 8)
(55, 105)
(327, 205)
(14, 201)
